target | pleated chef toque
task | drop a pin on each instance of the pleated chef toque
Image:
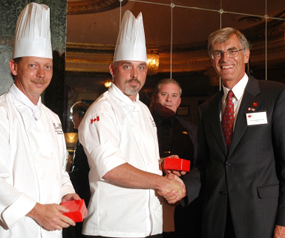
(131, 39)
(32, 34)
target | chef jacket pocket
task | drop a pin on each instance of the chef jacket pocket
(269, 191)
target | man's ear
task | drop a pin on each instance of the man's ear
(112, 69)
(13, 67)
(246, 56)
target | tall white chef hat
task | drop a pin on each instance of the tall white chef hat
(32, 34)
(131, 39)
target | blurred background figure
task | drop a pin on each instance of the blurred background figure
(176, 136)
(79, 168)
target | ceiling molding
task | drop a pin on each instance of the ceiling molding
(92, 6)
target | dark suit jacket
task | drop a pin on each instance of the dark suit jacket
(251, 176)
(184, 137)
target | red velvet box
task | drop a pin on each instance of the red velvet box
(177, 164)
(77, 210)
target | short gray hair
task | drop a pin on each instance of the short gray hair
(222, 35)
(166, 81)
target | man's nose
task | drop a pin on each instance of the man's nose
(168, 98)
(134, 73)
(225, 56)
(40, 72)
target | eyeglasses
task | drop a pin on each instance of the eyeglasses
(218, 54)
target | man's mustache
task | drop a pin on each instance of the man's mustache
(40, 81)
(134, 80)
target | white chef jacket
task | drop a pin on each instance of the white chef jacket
(32, 160)
(115, 130)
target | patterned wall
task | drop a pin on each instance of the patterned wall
(9, 12)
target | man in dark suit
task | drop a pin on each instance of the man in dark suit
(242, 177)
(176, 136)
(166, 99)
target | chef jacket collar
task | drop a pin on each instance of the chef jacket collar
(121, 96)
(21, 97)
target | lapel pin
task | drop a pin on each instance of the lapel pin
(250, 109)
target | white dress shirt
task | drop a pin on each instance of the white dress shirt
(238, 91)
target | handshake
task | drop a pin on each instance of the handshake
(174, 189)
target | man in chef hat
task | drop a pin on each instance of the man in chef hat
(33, 180)
(119, 137)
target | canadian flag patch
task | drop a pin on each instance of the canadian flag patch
(94, 119)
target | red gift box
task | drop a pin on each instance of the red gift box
(77, 210)
(177, 164)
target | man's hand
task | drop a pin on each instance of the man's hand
(50, 217)
(70, 196)
(177, 173)
(176, 189)
(279, 232)
(167, 171)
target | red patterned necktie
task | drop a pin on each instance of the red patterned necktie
(228, 119)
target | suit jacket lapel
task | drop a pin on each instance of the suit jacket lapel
(251, 91)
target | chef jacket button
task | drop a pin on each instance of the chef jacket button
(228, 164)
(49, 130)
(51, 154)
(223, 192)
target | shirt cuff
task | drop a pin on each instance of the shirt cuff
(17, 210)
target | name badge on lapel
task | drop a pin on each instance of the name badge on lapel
(58, 128)
(256, 118)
